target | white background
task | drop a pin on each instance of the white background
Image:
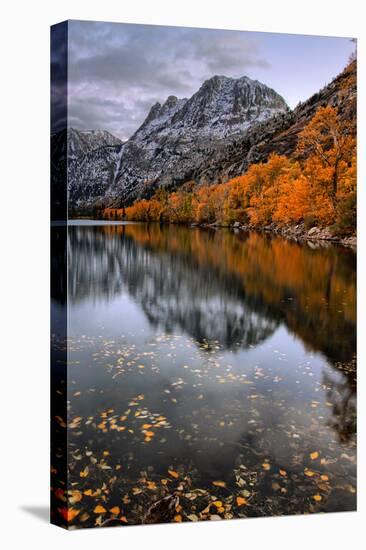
(24, 134)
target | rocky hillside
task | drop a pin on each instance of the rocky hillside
(215, 135)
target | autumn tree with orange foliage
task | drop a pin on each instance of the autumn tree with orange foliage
(318, 186)
(329, 147)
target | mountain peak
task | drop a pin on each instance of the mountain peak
(222, 105)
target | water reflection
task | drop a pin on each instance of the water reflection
(235, 289)
(242, 345)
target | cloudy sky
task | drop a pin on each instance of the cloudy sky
(118, 71)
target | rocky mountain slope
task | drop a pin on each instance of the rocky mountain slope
(215, 135)
(89, 158)
(174, 139)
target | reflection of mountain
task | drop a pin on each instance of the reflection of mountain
(174, 293)
(312, 291)
(217, 285)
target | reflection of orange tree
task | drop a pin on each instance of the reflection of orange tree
(317, 186)
(273, 270)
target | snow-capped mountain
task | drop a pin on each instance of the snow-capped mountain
(171, 145)
(80, 142)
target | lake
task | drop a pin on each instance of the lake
(215, 365)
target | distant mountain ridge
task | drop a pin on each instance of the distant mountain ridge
(211, 137)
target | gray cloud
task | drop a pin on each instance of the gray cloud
(117, 71)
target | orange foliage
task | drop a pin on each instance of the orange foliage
(320, 186)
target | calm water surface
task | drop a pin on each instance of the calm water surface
(218, 356)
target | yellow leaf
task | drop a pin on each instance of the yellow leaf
(324, 477)
(178, 518)
(219, 483)
(106, 453)
(149, 434)
(115, 510)
(317, 498)
(75, 496)
(146, 426)
(309, 473)
(88, 493)
(173, 473)
(147, 439)
(283, 473)
(99, 509)
(164, 481)
(240, 501)
(85, 472)
(151, 485)
(218, 503)
(266, 466)
(314, 455)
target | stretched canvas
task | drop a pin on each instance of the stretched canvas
(203, 240)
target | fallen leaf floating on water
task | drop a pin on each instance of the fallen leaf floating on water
(178, 518)
(60, 494)
(314, 455)
(317, 498)
(266, 466)
(283, 473)
(218, 503)
(240, 501)
(324, 477)
(173, 473)
(309, 473)
(219, 484)
(85, 472)
(75, 496)
(61, 421)
(99, 509)
(69, 513)
(115, 510)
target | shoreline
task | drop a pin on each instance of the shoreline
(298, 233)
